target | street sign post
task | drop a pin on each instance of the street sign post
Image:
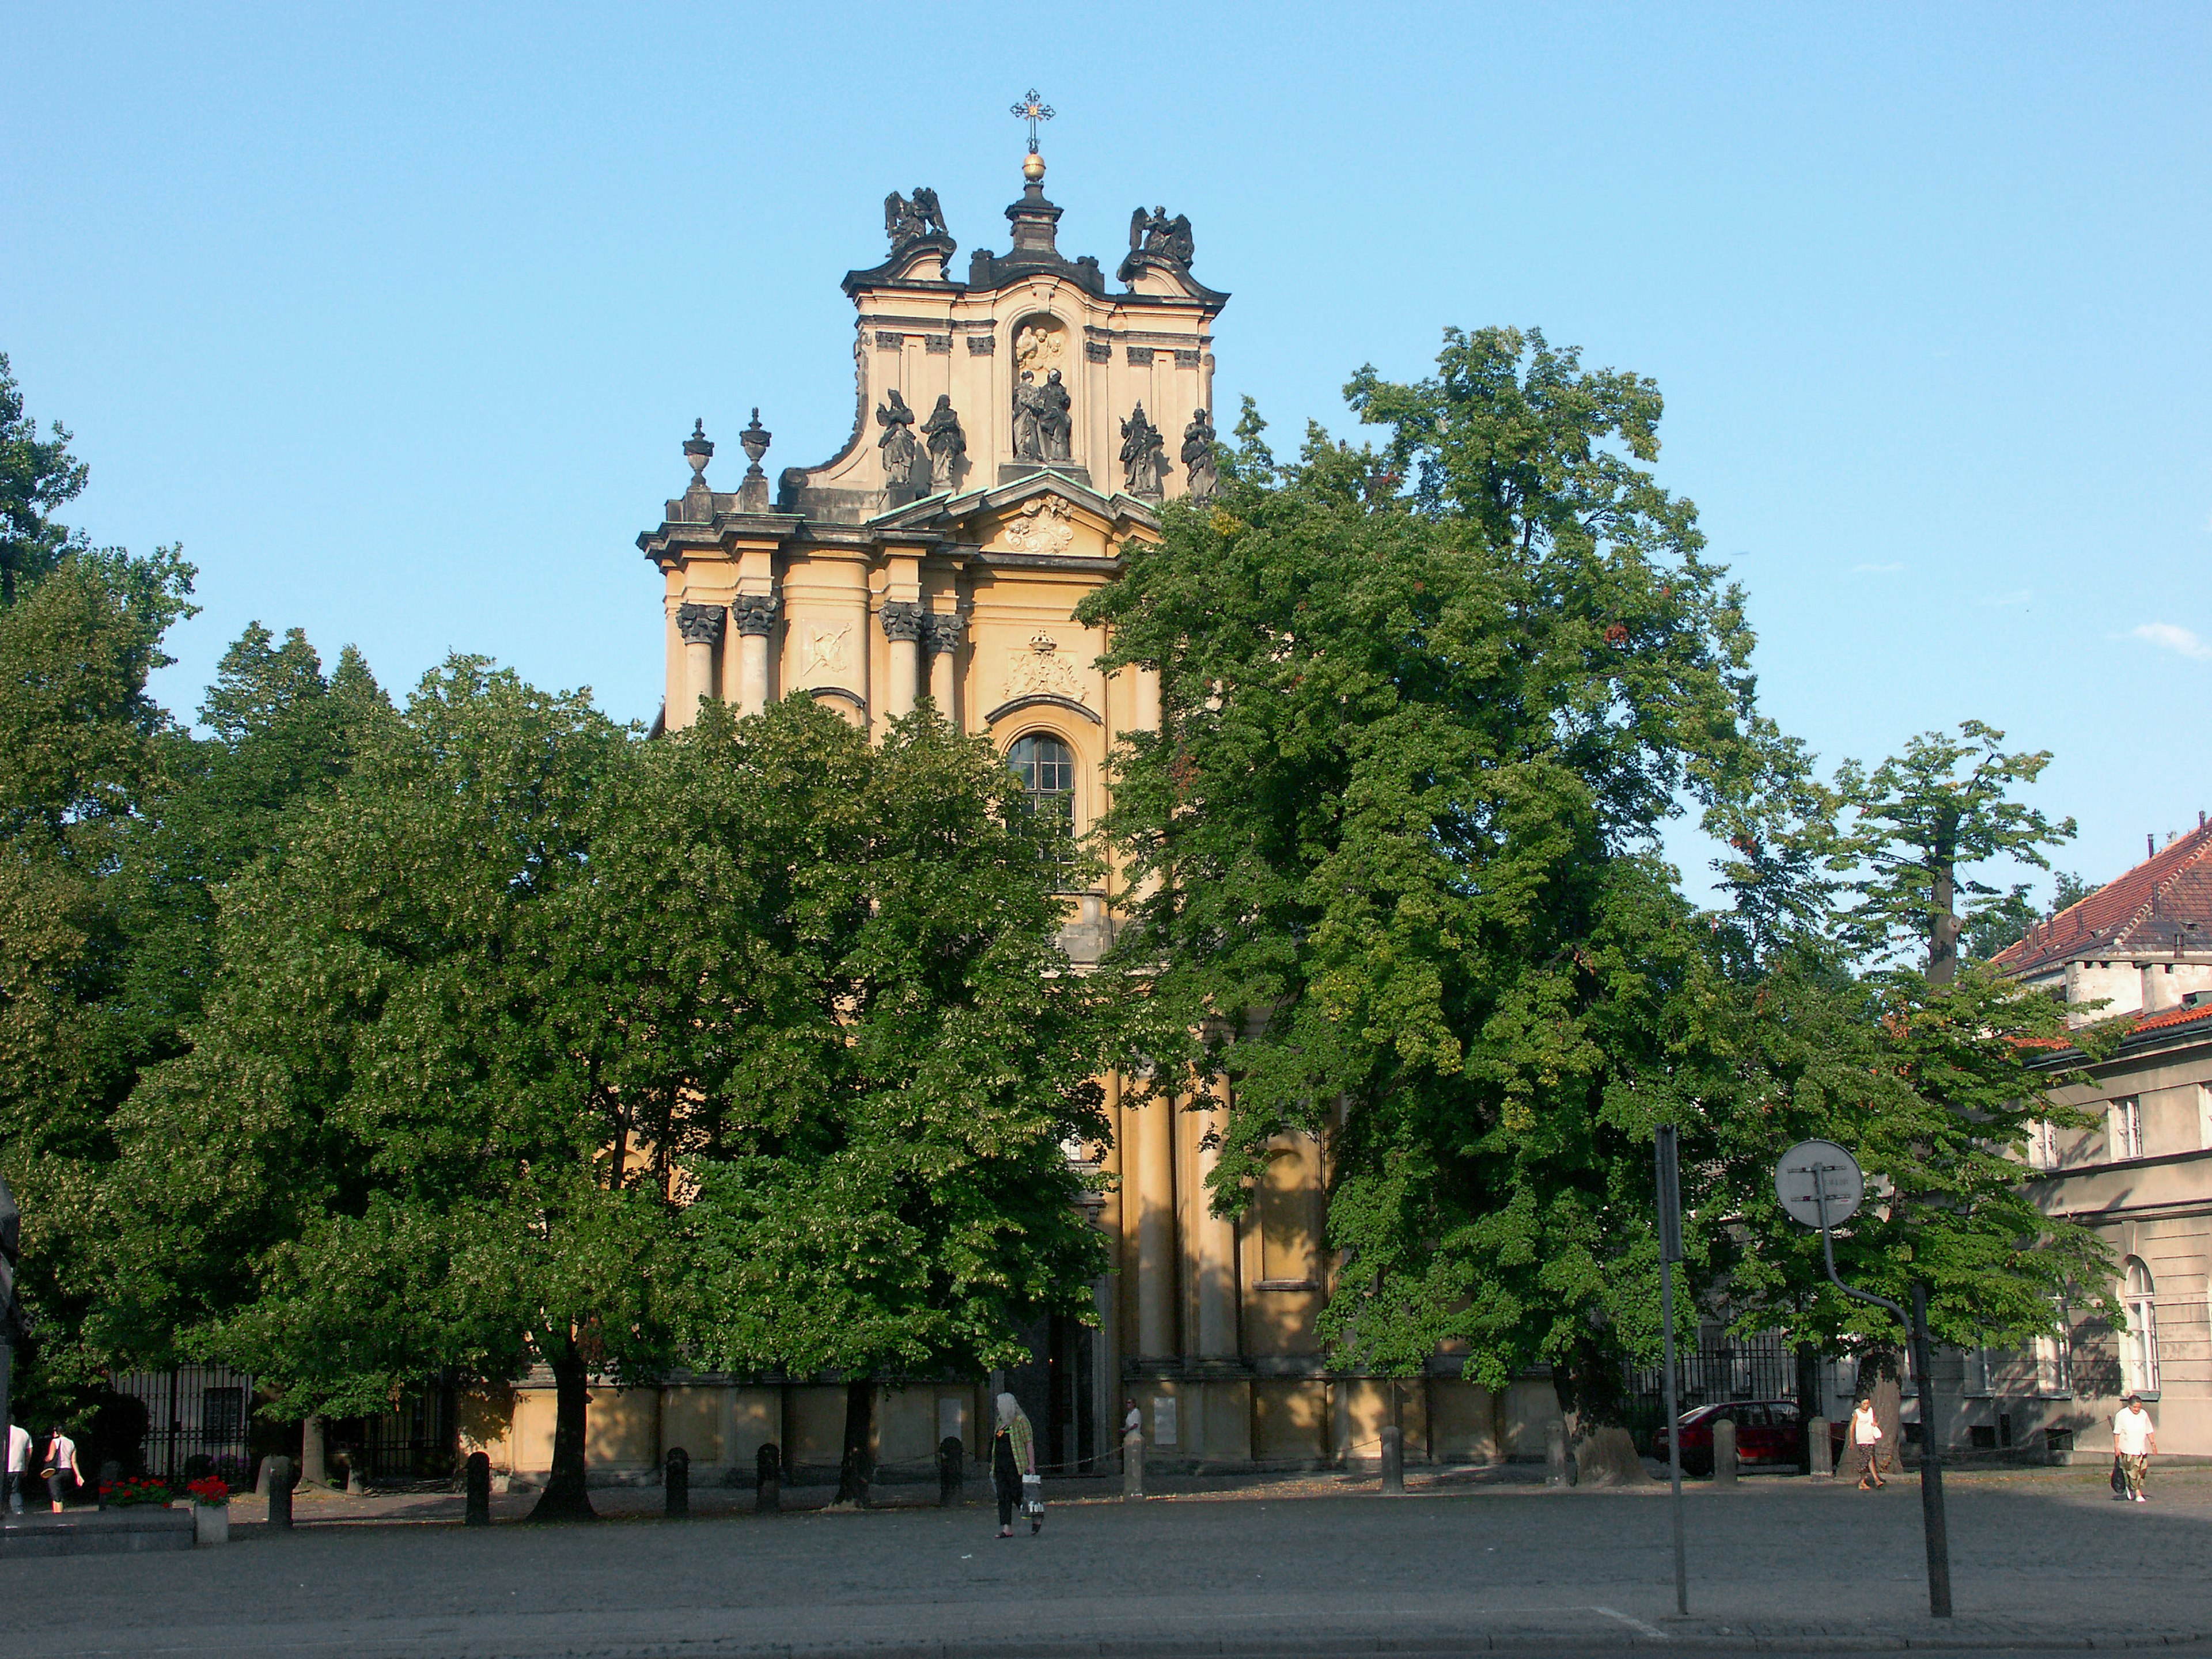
(1670, 1252)
(1822, 1185)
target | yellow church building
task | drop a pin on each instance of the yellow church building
(1014, 427)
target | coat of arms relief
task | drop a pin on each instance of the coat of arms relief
(1038, 670)
(1042, 524)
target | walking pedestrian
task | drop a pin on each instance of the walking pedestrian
(19, 1465)
(2134, 1440)
(60, 1460)
(1866, 1444)
(1013, 1455)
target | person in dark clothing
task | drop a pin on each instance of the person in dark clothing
(1013, 1455)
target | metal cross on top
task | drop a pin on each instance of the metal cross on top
(1032, 109)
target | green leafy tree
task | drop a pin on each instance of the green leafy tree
(385, 1156)
(81, 750)
(889, 1193)
(1920, 819)
(1936, 1090)
(1418, 745)
(37, 475)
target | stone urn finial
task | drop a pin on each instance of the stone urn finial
(698, 449)
(754, 440)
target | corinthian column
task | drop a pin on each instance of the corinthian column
(901, 620)
(1214, 1255)
(700, 625)
(755, 619)
(1151, 1127)
(942, 633)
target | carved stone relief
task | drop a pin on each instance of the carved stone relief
(1042, 526)
(1039, 670)
(825, 648)
(1040, 346)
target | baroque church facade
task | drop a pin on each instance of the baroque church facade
(1015, 426)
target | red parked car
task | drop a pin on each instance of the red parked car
(1769, 1433)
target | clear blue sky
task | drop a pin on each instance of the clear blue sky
(395, 316)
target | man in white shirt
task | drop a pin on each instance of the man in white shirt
(19, 1464)
(2134, 1440)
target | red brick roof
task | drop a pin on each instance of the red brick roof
(2162, 905)
(2173, 1017)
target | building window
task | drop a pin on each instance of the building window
(2204, 1114)
(1981, 1365)
(2139, 1343)
(2054, 1356)
(2043, 1145)
(1045, 767)
(2123, 1128)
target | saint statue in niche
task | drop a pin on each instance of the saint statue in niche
(1056, 426)
(1028, 418)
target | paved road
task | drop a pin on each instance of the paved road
(1784, 1565)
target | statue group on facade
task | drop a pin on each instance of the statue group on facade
(910, 220)
(1144, 456)
(933, 462)
(1155, 233)
(1043, 427)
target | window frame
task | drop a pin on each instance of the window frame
(1037, 735)
(2139, 1360)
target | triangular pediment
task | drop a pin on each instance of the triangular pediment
(1044, 512)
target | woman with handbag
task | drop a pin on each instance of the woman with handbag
(1013, 1456)
(1866, 1445)
(60, 1460)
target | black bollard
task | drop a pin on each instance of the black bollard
(476, 1478)
(950, 1469)
(280, 1493)
(110, 1473)
(767, 1487)
(678, 1482)
(1394, 1462)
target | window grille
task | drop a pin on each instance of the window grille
(1045, 767)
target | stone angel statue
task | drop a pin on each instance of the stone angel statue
(906, 221)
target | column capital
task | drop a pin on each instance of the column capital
(901, 620)
(943, 631)
(756, 613)
(699, 625)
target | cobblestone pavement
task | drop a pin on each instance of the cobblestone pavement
(2043, 1561)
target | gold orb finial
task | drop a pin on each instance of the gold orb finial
(1033, 167)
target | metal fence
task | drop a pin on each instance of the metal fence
(192, 1413)
(1760, 1366)
(417, 1442)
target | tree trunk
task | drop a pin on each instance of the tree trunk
(565, 1497)
(858, 1466)
(1879, 1381)
(314, 1468)
(1943, 930)
(1592, 1394)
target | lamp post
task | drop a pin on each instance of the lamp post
(1670, 1252)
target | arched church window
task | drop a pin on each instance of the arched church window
(1045, 767)
(2139, 1344)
